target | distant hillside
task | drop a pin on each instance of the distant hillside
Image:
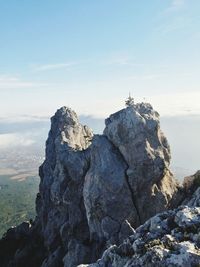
(17, 200)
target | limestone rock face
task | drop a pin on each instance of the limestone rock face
(107, 198)
(95, 189)
(135, 131)
(60, 205)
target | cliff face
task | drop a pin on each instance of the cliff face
(60, 205)
(135, 132)
(95, 189)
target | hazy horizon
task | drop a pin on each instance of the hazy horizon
(30, 133)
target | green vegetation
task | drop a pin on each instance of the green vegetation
(17, 201)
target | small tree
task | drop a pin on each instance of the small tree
(129, 101)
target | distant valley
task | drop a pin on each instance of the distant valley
(17, 200)
(19, 183)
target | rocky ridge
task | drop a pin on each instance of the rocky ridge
(171, 238)
(95, 190)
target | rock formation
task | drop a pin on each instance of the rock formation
(171, 238)
(135, 132)
(191, 186)
(95, 189)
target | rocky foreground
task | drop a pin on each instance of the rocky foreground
(95, 190)
(171, 238)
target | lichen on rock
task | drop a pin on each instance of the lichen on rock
(170, 246)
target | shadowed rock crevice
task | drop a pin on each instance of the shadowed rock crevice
(133, 198)
(131, 191)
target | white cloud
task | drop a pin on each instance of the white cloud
(14, 139)
(176, 23)
(144, 77)
(15, 82)
(24, 118)
(156, 76)
(173, 8)
(121, 59)
(8, 78)
(177, 3)
(55, 66)
(174, 104)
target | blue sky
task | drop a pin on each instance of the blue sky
(89, 54)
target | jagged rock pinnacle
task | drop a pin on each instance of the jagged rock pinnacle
(95, 189)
